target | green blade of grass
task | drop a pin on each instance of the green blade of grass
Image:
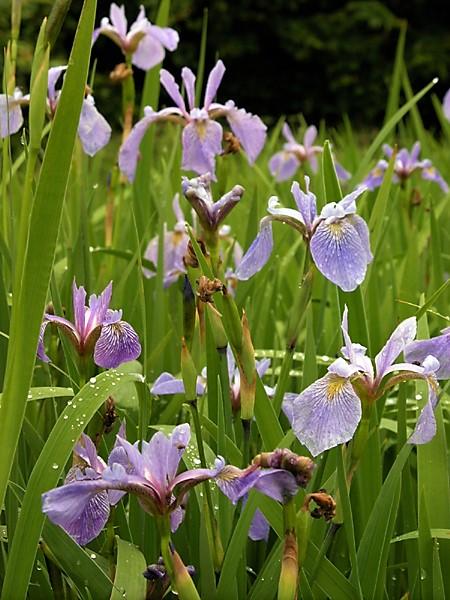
(129, 581)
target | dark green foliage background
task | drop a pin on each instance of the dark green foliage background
(322, 58)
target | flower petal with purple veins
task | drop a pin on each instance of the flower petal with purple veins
(236, 483)
(248, 128)
(339, 253)
(258, 254)
(202, 142)
(129, 151)
(425, 428)
(326, 414)
(118, 343)
(306, 203)
(402, 335)
(93, 128)
(66, 326)
(214, 80)
(439, 347)
(283, 165)
(277, 484)
(176, 518)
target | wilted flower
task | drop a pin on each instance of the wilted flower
(95, 328)
(174, 248)
(150, 474)
(144, 43)
(93, 129)
(338, 238)
(406, 163)
(284, 164)
(202, 135)
(328, 411)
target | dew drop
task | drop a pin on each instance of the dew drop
(93, 380)
(55, 466)
(69, 403)
(30, 396)
(93, 555)
(65, 417)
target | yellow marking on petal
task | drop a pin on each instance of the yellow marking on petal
(336, 229)
(335, 387)
(201, 129)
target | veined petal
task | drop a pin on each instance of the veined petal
(278, 484)
(118, 343)
(326, 414)
(283, 165)
(98, 308)
(93, 129)
(188, 479)
(236, 483)
(402, 335)
(306, 203)
(162, 455)
(129, 151)
(258, 253)
(425, 428)
(79, 306)
(214, 80)
(340, 253)
(438, 347)
(248, 128)
(202, 142)
(81, 508)
(65, 325)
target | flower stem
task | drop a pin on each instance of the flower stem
(288, 583)
(215, 540)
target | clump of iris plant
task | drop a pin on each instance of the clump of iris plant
(328, 412)
(285, 163)
(406, 163)
(95, 329)
(82, 505)
(143, 44)
(202, 134)
(338, 238)
(93, 129)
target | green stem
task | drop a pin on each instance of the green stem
(288, 583)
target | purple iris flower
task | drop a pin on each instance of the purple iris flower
(328, 412)
(338, 238)
(202, 135)
(95, 328)
(284, 164)
(210, 214)
(11, 118)
(406, 163)
(439, 347)
(144, 42)
(151, 474)
(175, 246)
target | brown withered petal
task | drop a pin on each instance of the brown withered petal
(190, 259)
(208, 287)
(120, 73)
(232, 145)
(282, 458)
(326, 505)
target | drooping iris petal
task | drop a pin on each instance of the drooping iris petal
(129, 151)
(439, 347)
(402, 335)
(326, 413)
(202, 141)
(425, 428)
(236, 483)
(259, 527)
(262, 366)
(283, 165)
(432, 174)
(188, 479)
(81, 508)
(118, 343)
(93, 128)
(64, 324)
(258, 253)
(248, 128)
(11, 118)
(149, 52)
(277, 484)
(176, 518)
(340, 253)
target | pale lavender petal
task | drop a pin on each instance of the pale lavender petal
(340, 253)
(80, 508)
(258, 254)
(287, 405)
(226, 203)
(167, 384)
(231, 363)
(118, 343)
(202, 142)
(179, 215)
(176, 518)
(259, 527)
(277, 484)
(129, 151)
(134, 463)
(41, 348)
(342, 368)
(326, 414)
(79, 307)
(432, 174)
(86, 450)
(310, 136)
(415, 152)
(438, 347)
(186, 480)
(54, 74)
(214, 79)
(425, 428)
(288, 135)
(375, 178)
(236, 483)
(179, 440)
(93, 129)
(248, 128)
(387, 150)
(402, 335)
(98, 308)
(342, 173)
(306, 202)
(155, 454)
(283, 165)
(11, 118)
(171, 86)
(446, 105)
(149, 52)
(118, 19)
(168, 37)
(262, 366)
(348, 202)
(188, 78)
(363, 231)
